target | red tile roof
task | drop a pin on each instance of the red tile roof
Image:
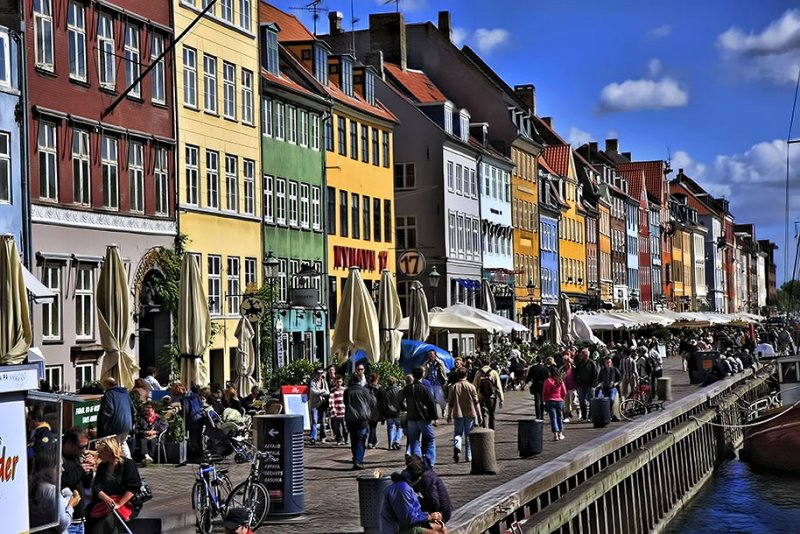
(653, 176)
(285, 82)
(292, 30)
(691, 200)
(546, 167)
(416, 83)
(635, 178)
(355, 101)
(557, 156)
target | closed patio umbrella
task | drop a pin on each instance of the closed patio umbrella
(419, 323)
(554, 328)
(194, 323)
(564, 311)
(245, 356)
(389, 315)
(487, 298)
(15, 324)
(356, 321)
(114, 320)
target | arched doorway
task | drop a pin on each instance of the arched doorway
(154, 328)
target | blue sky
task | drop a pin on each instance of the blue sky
(708, 83)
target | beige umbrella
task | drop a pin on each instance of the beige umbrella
(114, 320)
(15, 324)
(194, 323)
(356, 321)
(554, 329)
(245, 356)
(564, 311)
(419, 324)
(389, 315)
(487, 297)
(447, 321)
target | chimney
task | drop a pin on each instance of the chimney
(680, 171)
(548, 121)
(375, 59)
(445, 25)
(387, 32)
(612, 145)
(527, 93)
(628, 156)
(335, 19)
(593, 146)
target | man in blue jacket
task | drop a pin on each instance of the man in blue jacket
(116, 414)
(400, 509)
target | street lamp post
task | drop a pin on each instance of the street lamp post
(271, 265)
(433, 282)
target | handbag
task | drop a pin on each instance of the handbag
(143, 495)
(101, 509)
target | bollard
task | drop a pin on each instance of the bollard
(484, 460)
(529, 437)
(370, 496)
(600, 411)
(664, 388)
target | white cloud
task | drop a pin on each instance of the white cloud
(682, 160)
(654, 67)
(635, 95)
(661, 31)
(487, 40)
(578, 137)
(612, 134)
(460, 36)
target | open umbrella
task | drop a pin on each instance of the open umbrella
(114, 319)
(245, 356)
(356, 321)
(564, 311)
(487, 297)
(554, 328)
(389, 315)
(194, 323)
(504, 325)
(419, 324)
(15, 326)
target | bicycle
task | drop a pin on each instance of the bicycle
(209, 495)
(640, 401)
(252, 494)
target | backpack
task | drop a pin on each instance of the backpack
(486, 385)
(655, 363)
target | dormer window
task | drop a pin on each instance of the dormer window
(448, 118)
(347, 76)
(369, 87)
(271, 45)
(321, 64)
(464, 125)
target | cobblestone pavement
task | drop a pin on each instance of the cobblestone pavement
(330, 486)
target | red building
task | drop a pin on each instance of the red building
(99, 174)
(638, 192)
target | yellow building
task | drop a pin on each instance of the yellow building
(606, 280)
(219, 159)
(525, 219)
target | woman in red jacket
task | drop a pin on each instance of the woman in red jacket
(553, 394)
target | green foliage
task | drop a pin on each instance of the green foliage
(266, 295)
(296, 373)
(167, 291)
(91, 388)
(789, 296)
(549, 350)
(176, 427)
(387, 369)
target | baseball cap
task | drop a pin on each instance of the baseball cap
(235, 518)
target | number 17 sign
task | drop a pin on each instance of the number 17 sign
(411, 263)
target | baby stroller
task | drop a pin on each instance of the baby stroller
(224, 438)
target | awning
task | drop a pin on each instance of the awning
(466, 283)
(39, 292)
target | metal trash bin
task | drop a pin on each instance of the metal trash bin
(601, 411)
(282, 435)
(370, 497)
(664, 388)
(530, 437)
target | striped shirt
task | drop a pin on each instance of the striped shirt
(628, 368)
(337, 402)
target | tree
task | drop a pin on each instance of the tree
(789, 296)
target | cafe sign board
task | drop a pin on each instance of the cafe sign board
(13, 467)
(19, 378)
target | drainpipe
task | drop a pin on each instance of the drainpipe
(323, 286)
(25, 165)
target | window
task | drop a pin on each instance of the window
(84, 302)
(247, 96)
(266, 117)
(473, 184)
(328, 134)
(84, 374)
(460, 234)
(229, 90)
(233, 285)
(321, 64)
(51, 309)
(375, 148)
(214, 285)
(109, 162)
(476, 239)
(387, 221)
(203, 5)
(280, 196)
(355, 217)
(369, 88)
(190, 77)
(161, 171)
(269, 207)
(54, 375)
(316, 216)
(365, 143)
(81, 177)
(386, 149)
(191, 175)
(292, 203)
(105, 49)
(464, 127)
(132, 59)
(303, 127)
(406, 232)
(210, 83)
(448, 118)
(226, 10)
(313, 132)
(353, 139)
(451, 227)
(212, 179)
(272, 51)
(459, 179)
(347, 77)
(48, 171)
(330, 211)
(280, 121)
(341, 132)
(76, 29)
(5, 60)
(250, 277)
(367, 218)
(244, 15)
(43, 33)
(404, 175)
(232, 182)
(282, 279)
(249, 173)
(450, 176)
(376, 218)
(157, 74)
(304, 205)
(136, 175)
(343, 213)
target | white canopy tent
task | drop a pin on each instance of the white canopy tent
(504, 325)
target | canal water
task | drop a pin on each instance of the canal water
(740, 500)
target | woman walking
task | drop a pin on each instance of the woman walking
(115, 483)
(553, 393)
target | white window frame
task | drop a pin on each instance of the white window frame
(159, 90)
(234, 285)
(316, 214)
(109, 164)
(269, 198)
(43, 34)
(280, 121)
(190, 77)
(304, 206)
(291, 128)
(302, 127)
(81, 168)
(85, 373)
(5, 168)
(272, 52)
(226, 10)
(50, 373)
(451, 221)
(48, 159)
(192, 176)
(161, 176)
(450, 176)
(84, 302)
(250, 273)
(214, 285)
(76, 30)
(293, 209)
(212, 179)
(280, 201)
(313, 134)
(244, 15)
(210, 99)
(136, 175)
(229, 90)
(249, 184)
(132, 58)
(231, 183)
(459, 179)
(52, 315)
(266, 117)
(106, 50)
(247, 96)
(282, 263)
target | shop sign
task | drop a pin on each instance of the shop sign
(305, 297)
(411, 263)
(19, 378)
(364, 259)
(295, 402)
(84, 414)
(13, 467)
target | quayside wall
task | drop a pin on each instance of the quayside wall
(631, 480)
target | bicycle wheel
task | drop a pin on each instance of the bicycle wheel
(202, 508)
(225, 487)
(253, 497)
(630, 408)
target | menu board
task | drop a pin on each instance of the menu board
(13, 467)
(295, 402)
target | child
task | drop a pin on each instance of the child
(337, 411)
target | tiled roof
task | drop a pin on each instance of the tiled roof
(635, 185)
(285, 82)
(355, 101)
(292, 30)
(416, 83)
(547, 167)
(691, 200)
(557, 156)
(653, 175)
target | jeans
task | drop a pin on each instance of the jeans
(394, 430)
(76, 528)
(538, 406)
(612, 394)
(462, 426)
(438, 398)
(569, 405)
(358, 443)
(148, 446)
(373, 434)
(339, 429)
(317, 420)
(488, 406)
(585, 396)
(554, 409)
(422, 430)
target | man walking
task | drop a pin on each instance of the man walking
(421, 410)
(318, 404)
(586, 377)
(464, 410)
(490, 390)
(630, 377)
(391, 412)
(359, 404)
(537, 374)
(116, 414)
(436, 373)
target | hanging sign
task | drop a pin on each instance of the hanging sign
(411, 263)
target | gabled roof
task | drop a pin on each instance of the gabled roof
(290, 73)
(653, 175)
(415, 84)
(292, 30)
(355, 101)
(635, 179)
(557, 156)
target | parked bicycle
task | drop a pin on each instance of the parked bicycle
(640, 402)
(252, 494)
(211, 489)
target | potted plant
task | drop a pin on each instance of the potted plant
(175, 438)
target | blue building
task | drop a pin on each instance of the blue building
(632, 244)
(551, 207)
(13, 189)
